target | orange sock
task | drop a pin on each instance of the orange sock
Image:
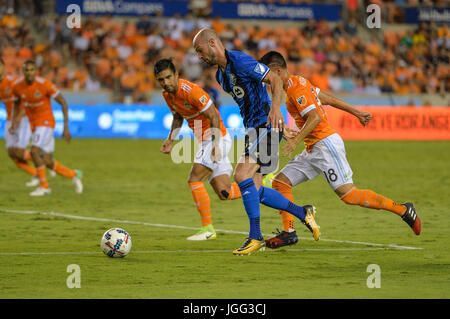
(370, 199)
(286, 191)
(64, 171)
(201, 200)
(26, 167)
(235, 192)
(27, 155)
(42, 176)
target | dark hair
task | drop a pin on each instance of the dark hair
(29, 61)
(1, 61)
(273, 58)
(164, 64)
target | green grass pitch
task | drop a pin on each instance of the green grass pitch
(131, 180)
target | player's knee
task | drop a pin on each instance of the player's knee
(20, 154)
(345, 193)
(35, 152)
(12, 153)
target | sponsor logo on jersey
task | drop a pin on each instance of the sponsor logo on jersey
(37, 94)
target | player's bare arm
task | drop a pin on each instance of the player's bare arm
(65, 109)
(312, 120)
(214, 123)
(177, 122)
(275, 117)
(329, 99)
(16, 115)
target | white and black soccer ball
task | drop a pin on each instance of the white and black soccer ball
(116, 242)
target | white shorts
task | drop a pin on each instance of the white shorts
(222, 167)
(43, 138)
(21, 136)
(327, 157)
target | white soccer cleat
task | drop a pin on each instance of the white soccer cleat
(77, 182)
(52, 173)
(33, 183)
(40, 191)
(206, 233)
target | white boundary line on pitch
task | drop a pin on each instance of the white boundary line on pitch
(30, 212)
(177, 251)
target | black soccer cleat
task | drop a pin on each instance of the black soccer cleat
(411, 218)
(281, 239)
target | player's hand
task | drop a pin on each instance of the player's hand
(166, 147)
(276, 119)
(289, 147)
(289, 133)
(216, 153)
(364, 117)
(66, 134)
(12, 128)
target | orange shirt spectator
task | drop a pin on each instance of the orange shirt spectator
(129, 79)
(218, 25)
(25, 53)
(321, 81)
(135, 59)
(9, 21)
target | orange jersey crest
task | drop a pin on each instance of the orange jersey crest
(6, 94)
(302, 97)
(190, 101)
(36, 100)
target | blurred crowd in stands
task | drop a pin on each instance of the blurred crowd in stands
(119, 53)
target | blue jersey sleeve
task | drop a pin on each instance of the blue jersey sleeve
(249, 67)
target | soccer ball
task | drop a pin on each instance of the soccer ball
(116, 242)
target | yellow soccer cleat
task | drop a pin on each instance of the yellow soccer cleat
(250, 245)
(267, 180)
(310, 221)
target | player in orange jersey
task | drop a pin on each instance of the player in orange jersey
(188, 101)
(324, 152)
(16, 143)
(34, 93)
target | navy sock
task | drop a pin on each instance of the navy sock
(250, 197)
(274, 199)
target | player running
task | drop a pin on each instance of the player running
(188, 101)
(35, 92)
(324, 153)
(16, 143)
(244, 79)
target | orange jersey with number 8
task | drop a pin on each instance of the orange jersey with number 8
(302, 97)
(36, 100)
(190, 101)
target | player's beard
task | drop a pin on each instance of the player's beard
(212, 59)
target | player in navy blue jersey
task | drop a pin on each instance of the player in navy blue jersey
(245, 80)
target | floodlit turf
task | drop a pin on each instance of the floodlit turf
(130, 180)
